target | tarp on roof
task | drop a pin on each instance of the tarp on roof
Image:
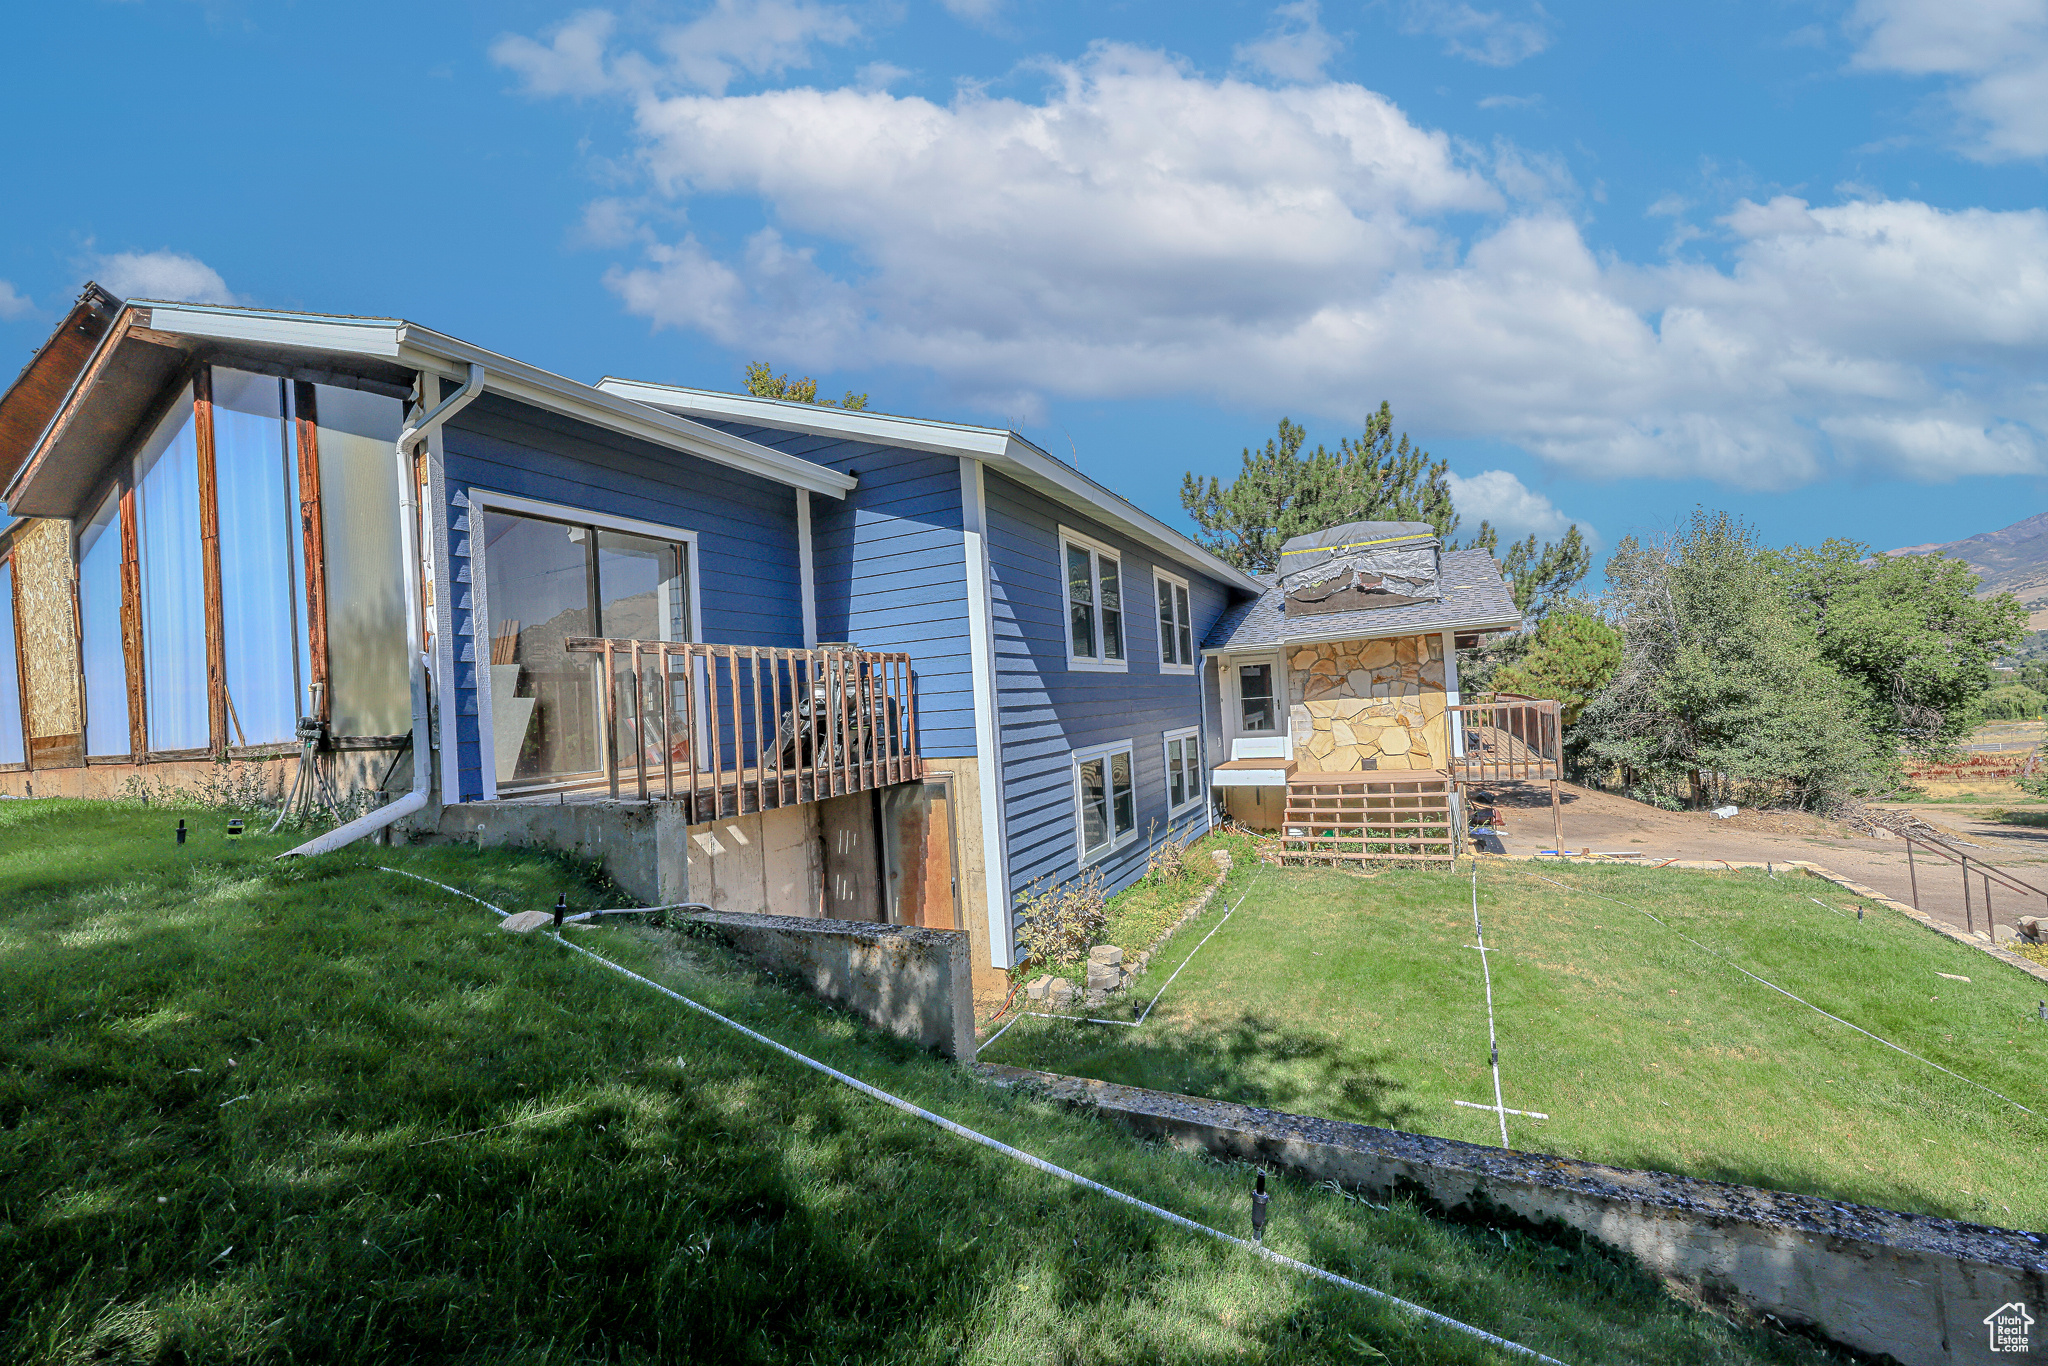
(1360, 565)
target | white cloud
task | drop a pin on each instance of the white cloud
(759, 38)
(1488, 37)
(1140, 230)
(1993, 54)
(12, 304)
(167, 275)
(1296, 48)
(1515, 510)
(1511, 102)
(980, 12)
(880, 75)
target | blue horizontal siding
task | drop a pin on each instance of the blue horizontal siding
(891, 572)
(749, 583)
(1046, 711)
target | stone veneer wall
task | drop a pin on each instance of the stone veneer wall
(1360, 704)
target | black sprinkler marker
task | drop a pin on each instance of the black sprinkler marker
(181, 831)
(1259, 1199)
(561, 909)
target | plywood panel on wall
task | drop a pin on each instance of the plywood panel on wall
(48, 631)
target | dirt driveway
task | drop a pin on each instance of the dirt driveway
(1606, 823)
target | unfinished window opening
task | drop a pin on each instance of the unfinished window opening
(368, 689)
(1105, 798)
(173, 584)
(1183, 770)
(99, 610)
(548, 581)
(256, 480)
(1095, 603)
(13, 741)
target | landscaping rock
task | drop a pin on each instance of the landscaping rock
(1060, 994)
(1036, 991)
(2004, 934)
(2031, 929)
(1109, 954)
(1095, 1000)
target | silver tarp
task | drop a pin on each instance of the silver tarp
(1360, 565)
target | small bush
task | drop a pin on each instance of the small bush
(1168, 862)
(1060, 921)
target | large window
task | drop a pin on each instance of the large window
(1176, 630)
(99, 611)
(368, 679)
(1105, 798)
(1095, 603)
(12, 741)
(549, 580)
(1183, 770)
(173, 586)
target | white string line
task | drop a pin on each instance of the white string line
(1493, 1041)
(1782, 992)
(962, 1131)
(1133, 1024)
(1824, 906)
(1475, 1105)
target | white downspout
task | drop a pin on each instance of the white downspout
(409, 553)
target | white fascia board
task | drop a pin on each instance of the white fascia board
(999, 448)
(421, 348)
(1427, 628)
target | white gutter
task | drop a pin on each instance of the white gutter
(409, 553)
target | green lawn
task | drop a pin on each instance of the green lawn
(256, 1112)
(1357, 998)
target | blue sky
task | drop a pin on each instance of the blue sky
(1612, 261)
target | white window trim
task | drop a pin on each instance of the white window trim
(1197, 787)
(1093, 663)
(1160, 576)
(1233, 717)
(480, 610)
(1116, 841)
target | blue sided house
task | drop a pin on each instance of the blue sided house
(762, 655)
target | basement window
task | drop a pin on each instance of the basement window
(1104, 797)
(1095, 603)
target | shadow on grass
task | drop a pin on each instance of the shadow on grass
(1252, 1060)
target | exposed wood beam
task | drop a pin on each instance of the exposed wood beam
(209, 555)
(313, 526)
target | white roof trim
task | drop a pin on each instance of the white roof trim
(1428, 628)
(1003, 450)
(421, 348)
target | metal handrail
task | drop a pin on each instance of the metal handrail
(735, 728)
(1986, 871)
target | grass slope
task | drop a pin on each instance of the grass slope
(1358, 999)
(256, 1112)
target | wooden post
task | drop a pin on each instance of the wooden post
(690, 728)
(313, 531)
(209, 558)
(1912, 874)
(607, 751)
(639, 729)
(1556, 819)
(131, 628)
(1967, 923)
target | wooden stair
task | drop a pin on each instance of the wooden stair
(1375, 816)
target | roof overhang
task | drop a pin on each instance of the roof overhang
(999, 448)
(39, 390)
(123, 382)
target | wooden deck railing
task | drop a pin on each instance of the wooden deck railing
(731, 729)
(1507, 741)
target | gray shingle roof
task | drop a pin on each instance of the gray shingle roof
(1475, 597)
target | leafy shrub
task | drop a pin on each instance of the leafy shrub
(2012, 702)
(1168, 862)
(1059, 922)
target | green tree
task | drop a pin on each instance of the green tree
(1908, 631)
(763, 382)
(1570, 658)
(1722, 683)
(1540, 579)
(1281, 493)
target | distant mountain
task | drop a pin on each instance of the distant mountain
(2014, 560)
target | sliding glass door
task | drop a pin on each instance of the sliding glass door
(548, 581)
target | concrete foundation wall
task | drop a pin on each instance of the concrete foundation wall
(1910, 1287)
(258, 779)
(770, 862)
(913, 982)
(640, 844)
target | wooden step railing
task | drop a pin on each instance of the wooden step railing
(1509, 740)
(1372, 816)
(730, 729)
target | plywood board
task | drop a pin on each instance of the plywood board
(47, 623)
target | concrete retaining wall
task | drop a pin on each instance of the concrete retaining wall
(1909, 1286)
(640, 844)
(913, 982)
